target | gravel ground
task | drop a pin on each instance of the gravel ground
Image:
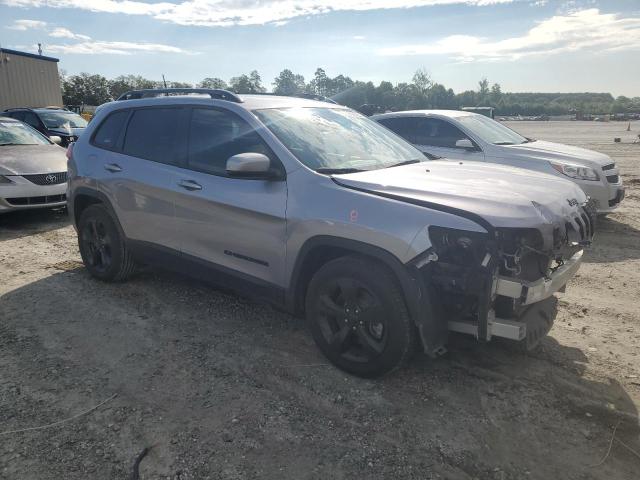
(225, 388)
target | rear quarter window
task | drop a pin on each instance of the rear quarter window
(110, 131)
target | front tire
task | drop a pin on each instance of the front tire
(102, 247)
(358, 317)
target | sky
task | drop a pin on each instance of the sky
(525, 45)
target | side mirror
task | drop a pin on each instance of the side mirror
(55, 139)
(465, 143)
(251, 165)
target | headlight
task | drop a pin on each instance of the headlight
(4, 180)
(576, 171)
(458, 246)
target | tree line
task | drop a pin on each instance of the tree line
(420, 93)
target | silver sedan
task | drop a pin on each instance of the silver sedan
(33, 169)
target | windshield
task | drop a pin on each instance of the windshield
(491, 131)
(326, 138)
(16, 133)
(62, 120)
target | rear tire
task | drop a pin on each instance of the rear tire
(358, 317)
(102, 246)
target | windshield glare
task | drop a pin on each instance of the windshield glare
(327, 138)
(14, 133)
(491, 131)
(62, 120)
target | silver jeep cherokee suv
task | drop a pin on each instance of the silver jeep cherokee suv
(327, 214)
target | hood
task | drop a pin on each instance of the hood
(506, 197)
(32, 159)
(560, 153)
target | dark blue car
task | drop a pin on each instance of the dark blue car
(51, 121)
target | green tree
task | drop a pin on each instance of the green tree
(321, 83)
(85, 89)
(124, 83)
(179, 85)
(422, 80)
(483, 89)
(496, 93)
(440, 97)
(288, 83)
(213, 82)
(251, 83)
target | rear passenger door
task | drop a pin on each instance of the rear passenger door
(137, 159)
(235, 223)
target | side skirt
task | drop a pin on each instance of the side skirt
(208, 272)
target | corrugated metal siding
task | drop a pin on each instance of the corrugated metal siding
(28, 82)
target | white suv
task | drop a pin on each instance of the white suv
(459, 135)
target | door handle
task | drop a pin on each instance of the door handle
(190, 185)
(112, 167)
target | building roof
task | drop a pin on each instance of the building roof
(7, 51)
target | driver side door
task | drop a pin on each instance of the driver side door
(238, 224)
(439, 137)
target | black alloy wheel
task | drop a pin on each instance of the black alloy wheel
(358, 316)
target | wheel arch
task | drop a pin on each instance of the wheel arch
(316, 251)
(84, 197)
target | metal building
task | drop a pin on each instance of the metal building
(28, 80)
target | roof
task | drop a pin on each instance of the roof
(249, 102)
(38, 109)
(7, 119)
(253, 102)
(7, 51)
(425, 113)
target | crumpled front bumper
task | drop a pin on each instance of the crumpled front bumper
(532, 292)
(537, 297)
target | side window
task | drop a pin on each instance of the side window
(154, 134)
(402, 126)
(108, 133)
(437, 133)
(17, 115)
(32, 119)
(216, 135)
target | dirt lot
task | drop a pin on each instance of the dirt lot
(226, 388)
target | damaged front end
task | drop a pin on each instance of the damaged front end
(501, 283)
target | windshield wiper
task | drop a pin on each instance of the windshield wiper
(330, 171)
(529, 140)
(406, 162)
(503, 143)
(6, 144)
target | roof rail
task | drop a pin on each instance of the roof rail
(214, 93)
